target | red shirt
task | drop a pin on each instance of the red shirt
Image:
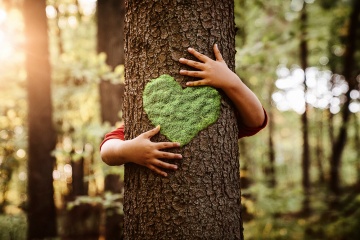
(244, 131)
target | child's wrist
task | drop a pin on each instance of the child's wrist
(122, 151)
(233, 84)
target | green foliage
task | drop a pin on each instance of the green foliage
(108, 201)
(13, 227)
(181, 113)
(267, 39)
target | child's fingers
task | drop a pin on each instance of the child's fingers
(167, 155)
(157, 170)
(165, 165)
(217, 53)
(198, 55)
(149, 134)
(197, 83)
(194, 64)
(164, 145)
(197, 74)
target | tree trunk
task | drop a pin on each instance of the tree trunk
(110, 36)
(320, 148)
(201, 200)
(270, 170)
(110, 20)
(304, 117)
(349, 60)
(114, 222)
(78, 185)
(41, 208)
(357, 143)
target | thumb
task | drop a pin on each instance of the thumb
(149, 134)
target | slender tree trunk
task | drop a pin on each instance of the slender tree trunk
(349, 60)
(110, 36)
(41, 209)
(320, 149)
(304, 116)
(114, 222)
(271, 169)
(201, 200)
(78, 185)
(110, 19)
(357, 144)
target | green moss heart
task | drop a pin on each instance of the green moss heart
(181, 113)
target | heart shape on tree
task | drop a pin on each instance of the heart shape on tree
(181, 113)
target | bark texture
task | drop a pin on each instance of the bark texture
(41, 141)
(201, 200)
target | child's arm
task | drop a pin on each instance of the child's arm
(140, 150)
(217, 74)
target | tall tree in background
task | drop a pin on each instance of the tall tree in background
(304, 116)
(41, 141)
(110, 40)
(202, 199)
(270, 169)
(349, 73)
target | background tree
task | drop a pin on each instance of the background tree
(41, 139)
(349, 72)
(202, 198)
(267, 60)
(303, 52)
(110, 40)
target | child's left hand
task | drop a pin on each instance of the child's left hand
(212, 73)
(215, 73)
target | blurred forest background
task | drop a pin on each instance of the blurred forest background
(300, 176)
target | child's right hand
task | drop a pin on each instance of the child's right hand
(142, 151)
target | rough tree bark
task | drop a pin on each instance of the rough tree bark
(201, 200)
(41, 208)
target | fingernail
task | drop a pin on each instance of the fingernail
(181, 59)
(165, 174)
(180, 156)
(158, 126)
(175, 167)
(181, 71)
(190, 48)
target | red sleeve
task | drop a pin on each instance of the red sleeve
(115, 134)
(245, 131)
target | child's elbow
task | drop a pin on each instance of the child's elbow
(105, 154)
